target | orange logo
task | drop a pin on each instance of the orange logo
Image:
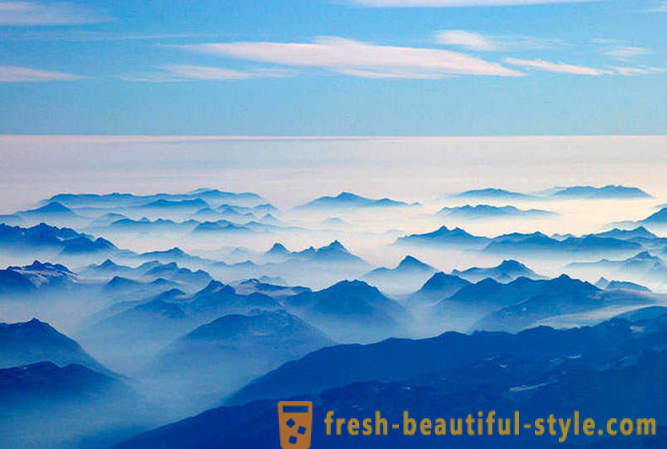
(295, 420)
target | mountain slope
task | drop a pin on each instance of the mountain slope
(438, 287)
(346, 200)
(485, 211)
(407, 276)
(507, 271)
(35, 341)
(350, 311)
(223, 355)
(397, 359)
(444, 236)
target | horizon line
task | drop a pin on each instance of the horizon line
(139, 138)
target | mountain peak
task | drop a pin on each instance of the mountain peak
(511, 264)
(54, 207)
(278, 248)
(411, 262)
(108, 263)
(215, 287)
(347, 196)
(335, 245)
(35, 323)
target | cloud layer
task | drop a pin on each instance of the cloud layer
(361, 59)
(13, 74)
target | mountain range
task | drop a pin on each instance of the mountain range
(457, 238)
(485, 211)
(492, 194)
(37, 276)
(394, 360)
(506, 271)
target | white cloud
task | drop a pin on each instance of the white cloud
(485, 42)
(177, 73)
(360, 59)
(626, 52)
(13, 74)
(54, 13)
(454, 3)
(631, 71)
(222, 74)
(558, 67)
(468, 39)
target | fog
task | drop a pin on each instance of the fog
(134, 306)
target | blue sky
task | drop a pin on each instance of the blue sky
(334, 67)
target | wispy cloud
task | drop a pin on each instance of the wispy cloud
(467, 39)
(626, 52)
(24, 34)
(53, 13)
(662, 7)
(360, 59)
(453, 3)
(178, 73)
(632, 71)
(13, 74)
(558, 67)
(486, 42)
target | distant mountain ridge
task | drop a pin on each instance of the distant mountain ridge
(347, 200)
(571, 192)
(492, 193)
(507, 271)
(606, 192)
(485, 211)
(128, 199)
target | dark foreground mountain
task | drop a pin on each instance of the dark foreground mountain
(35, 341)
(396, 359)
(47, 406)
(539, 372)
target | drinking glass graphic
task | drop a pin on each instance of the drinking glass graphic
(295, 419)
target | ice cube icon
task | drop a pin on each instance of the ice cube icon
(295, 420)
